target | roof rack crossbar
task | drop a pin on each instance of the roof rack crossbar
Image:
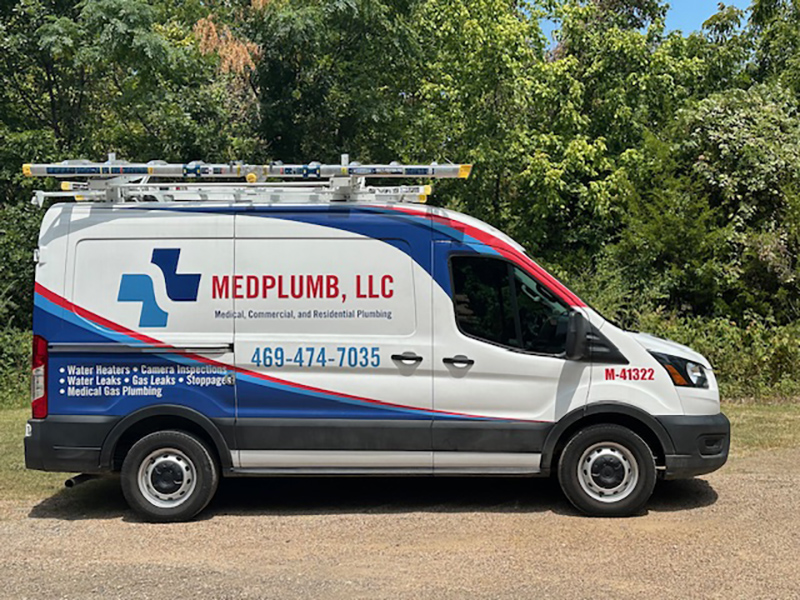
(120, 181)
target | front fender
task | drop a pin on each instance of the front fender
(609, 412)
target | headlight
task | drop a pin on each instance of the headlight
(697, 374)
(684, 373)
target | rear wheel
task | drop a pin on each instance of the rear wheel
(169, 476)
(607, 471)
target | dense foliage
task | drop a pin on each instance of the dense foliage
(657, 172)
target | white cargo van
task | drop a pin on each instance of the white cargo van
(186, 332)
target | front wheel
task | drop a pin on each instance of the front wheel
(607, 471)
(169, 476)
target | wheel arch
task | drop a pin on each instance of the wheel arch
(159, 418)
(643, 424)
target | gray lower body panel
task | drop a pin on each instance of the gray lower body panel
(310, 462)
(390, 435)
(67, 443)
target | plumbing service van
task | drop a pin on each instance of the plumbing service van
(185, 332)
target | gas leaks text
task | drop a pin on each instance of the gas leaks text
(137, 380)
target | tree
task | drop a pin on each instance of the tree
(472, 98)
(333, 77)
(775, 27)
(80, 79)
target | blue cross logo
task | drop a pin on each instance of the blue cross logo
(139, 287)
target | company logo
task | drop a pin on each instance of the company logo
(137, 287)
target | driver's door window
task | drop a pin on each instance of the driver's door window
(543, 319)
(499, 303)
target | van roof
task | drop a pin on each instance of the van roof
(436, 214)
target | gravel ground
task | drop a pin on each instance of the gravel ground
(732, 534)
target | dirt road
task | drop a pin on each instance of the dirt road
(732, 534)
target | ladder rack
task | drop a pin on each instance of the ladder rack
(120, 181)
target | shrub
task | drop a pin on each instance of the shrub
(15, 358)
(756, 360)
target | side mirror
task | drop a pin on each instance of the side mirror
(577, 336)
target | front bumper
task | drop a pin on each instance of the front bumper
(700, 444)
(66, 443)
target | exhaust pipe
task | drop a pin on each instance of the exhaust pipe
(78, 479)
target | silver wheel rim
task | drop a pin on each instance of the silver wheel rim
(175, 462)
(603, 457)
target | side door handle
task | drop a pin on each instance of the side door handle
(459, 361)
(407, 358)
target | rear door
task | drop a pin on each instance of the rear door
(500, 376)
(137, 326)
(333, 344)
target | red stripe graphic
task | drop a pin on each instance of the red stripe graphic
(150, 341)
(504, 248)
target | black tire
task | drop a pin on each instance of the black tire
(606, 485)
(169, 476)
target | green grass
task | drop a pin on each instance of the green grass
(755, 428)
(16, 482)
(15, 371)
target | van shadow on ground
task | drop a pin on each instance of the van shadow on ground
(102, 498)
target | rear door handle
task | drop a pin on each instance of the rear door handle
(459, 360)
(407, 357)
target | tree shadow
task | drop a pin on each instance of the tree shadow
(103, 499)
